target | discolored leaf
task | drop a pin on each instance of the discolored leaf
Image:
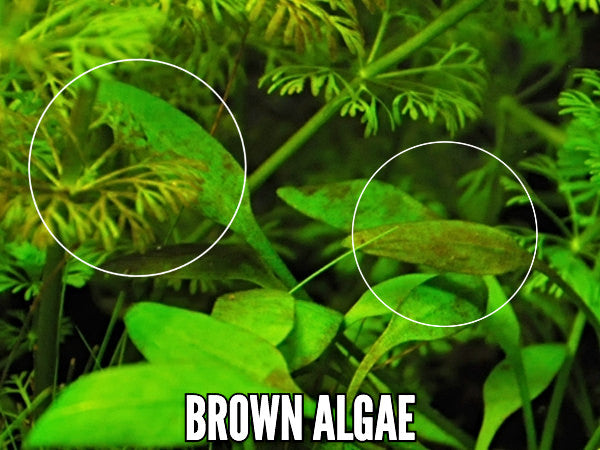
(446, 245)
(170, 130)
(501, 393)
(215, 265)
(165, 334)
(334, 204)
(268, 313)
(442, 300)
(315, 326)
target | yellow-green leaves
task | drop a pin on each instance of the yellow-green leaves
(166, 334)
(446, 245)
(139, 405)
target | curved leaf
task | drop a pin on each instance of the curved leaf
(394, 289)
(443, 300)
(170, 130)
(446, 245)
(334, 204)
(165, 334)
(501, 392)
(314, 329)
(268, 313)
(136, 405)
(215, 265)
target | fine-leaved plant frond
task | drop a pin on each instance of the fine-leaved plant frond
(567, 5)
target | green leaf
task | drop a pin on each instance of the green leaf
(170, 130)
(215, 265)
(503, 325)
(501, 393)
(268, 313)
(578, 275)
(136, 405)
(446, 245)
(334, 204)
(165, 334)
(314, 329)
(442, 300)
(394, 289)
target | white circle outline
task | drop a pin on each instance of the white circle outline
(148, 274)
(532, 209)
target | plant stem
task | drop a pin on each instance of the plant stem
(385, 19)
(519, 371)
(520, 114)
(446, 20)
(47, 320)
(400, 53)
(562, 382)
(289, 147)
(594, 441)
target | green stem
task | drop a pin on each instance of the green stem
(339, 258)
(385, 19)
(47, 320)
(446, 20)
(289, 147)
(26, 414)
(519, 370)
(399, 54)
(109, 329)
(520, 114)
(594, 441)
(561, 382)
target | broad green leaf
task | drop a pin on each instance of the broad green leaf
(170, 130)
(334, 204)
(394, 289)
(446, 245)
(442, 300)
(501, 392)
(315, 326)
(137, 405)
(166, 334)
(268, 313)
(214, 265)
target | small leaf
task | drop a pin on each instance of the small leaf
(139, 405)
(501, 393)
(442, 300)
(446, 245)
(334, 204)
(165, 334)
(314, 329)
(268, 313)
